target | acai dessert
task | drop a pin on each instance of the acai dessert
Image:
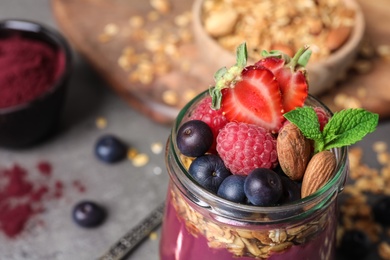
(256, 165)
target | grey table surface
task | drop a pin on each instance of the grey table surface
(128, 192)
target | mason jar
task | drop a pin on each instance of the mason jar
(198, 224)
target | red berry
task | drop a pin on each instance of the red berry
(291, 77)
(244, 147)
(323, 117)
(255, 99)
(214, 118)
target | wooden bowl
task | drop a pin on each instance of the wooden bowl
(322, 74)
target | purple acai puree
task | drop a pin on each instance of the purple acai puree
(177, 243)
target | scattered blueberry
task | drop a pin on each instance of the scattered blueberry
(291, 191)
(232, 188)
(354, 244)
(194, 138)
(263, 187)
(209, 171)
(381, 211)
(88, 214)
(110, 149)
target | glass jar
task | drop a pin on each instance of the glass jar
(200, 225)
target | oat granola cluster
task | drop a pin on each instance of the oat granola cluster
(257, 243)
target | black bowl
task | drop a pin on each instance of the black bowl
(29, 123)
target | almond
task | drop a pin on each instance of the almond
(319, 171)
(221, 22)
(293, 151)
(337, 37)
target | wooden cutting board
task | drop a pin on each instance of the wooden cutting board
(111, 34)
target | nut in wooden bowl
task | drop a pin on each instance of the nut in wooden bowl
(332, 29)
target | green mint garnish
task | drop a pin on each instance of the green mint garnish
(346, 127)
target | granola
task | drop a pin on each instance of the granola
(258, 243)
(279, 24)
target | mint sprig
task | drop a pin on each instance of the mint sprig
(344, 128)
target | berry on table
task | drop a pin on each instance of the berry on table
(209, 171)
(232, 188)
(88, 214)
(245, 147)
(194, 138)
(263, 187)
(110, 149)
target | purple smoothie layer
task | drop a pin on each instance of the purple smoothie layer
(177, 243)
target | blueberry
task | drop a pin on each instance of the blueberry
(381, 211)
(88, 214)
(209, 171)
(110, 149)
(232, 188)
(263, 187)
(354, 244)
(194, 138)
(291, 190)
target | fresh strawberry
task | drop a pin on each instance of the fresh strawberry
(291, 75)
(248, 94)
(261, 107)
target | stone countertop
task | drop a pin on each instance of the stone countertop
(128, 192)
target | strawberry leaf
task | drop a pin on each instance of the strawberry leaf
(241, 55)
(216, 98)
(224, 77)
(301, 58)
(304, 58)
(220, 73)
(277, 54)
(349, 126)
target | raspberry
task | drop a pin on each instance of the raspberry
(323, 117)
(245, 147)
(214, 118)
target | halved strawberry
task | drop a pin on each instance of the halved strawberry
(291, 75)
(255, 99)
(248, 94)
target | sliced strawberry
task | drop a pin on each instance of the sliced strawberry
(255, 99)
(291, 76)
(248, 94)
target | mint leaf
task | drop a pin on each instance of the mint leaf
(349, 126)
(305, 118)
(346, 127)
